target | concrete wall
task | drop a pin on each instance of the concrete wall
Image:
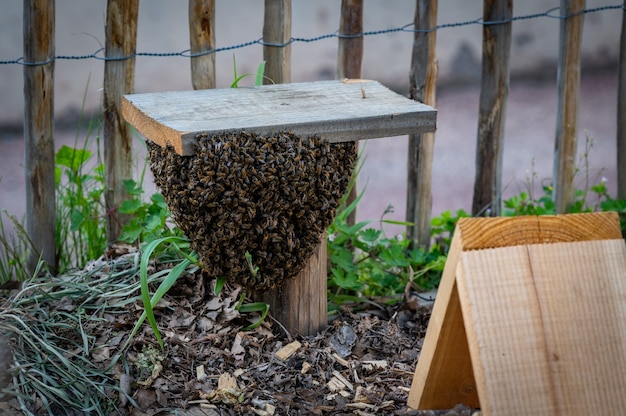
(163, 28)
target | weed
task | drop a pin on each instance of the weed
(259, 76)
(13, 249)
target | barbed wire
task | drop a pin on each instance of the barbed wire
(406, 28)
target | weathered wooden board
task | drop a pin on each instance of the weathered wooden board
(335, 110)
(530, 318)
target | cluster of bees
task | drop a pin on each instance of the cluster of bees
(269, 195)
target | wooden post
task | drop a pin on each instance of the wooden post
(202, 39)
(121, 39)
(350, 51)
(621, 114)
(301, 304)
(349, 58)
(277, 30)
(568, 84)
(39, 18)
(493, 95)
(422, 87)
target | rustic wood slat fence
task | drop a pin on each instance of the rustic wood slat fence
(119, 78)
(422, 87)
(494, 92)
(568, 83)
(621, 109)
(39, 129)
(121, 38)
(350, 58)
(202, 39)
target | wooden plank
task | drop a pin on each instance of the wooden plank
(568, 85)
(500, 301)
(423, 77)
(39, 131)
(468, 354)
(540, 340)
(444, 377)
(585, 338)
(335, 110)
(349, 58)
(621, 114)
(277, 31)
(121, 40)
(494, 92)
(480, 233)
(202, 39)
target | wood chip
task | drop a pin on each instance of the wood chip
(288, 350)
(374, 365)
(340, 360)
(335, 384)
(226, 381)
(359, 397)
(306, 366)
(200, 373)
(343, 380)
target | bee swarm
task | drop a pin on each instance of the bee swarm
(271, 196)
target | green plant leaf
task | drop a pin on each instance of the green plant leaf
(345, 280)
(219, 285)
(255, 307)
(370, 235)
(130, 206)
(71, 158)
(260, 71)
(166, 284)
(77, 218)
(131, 187)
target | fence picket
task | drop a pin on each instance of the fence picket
(568, 84)
(422, 87)
(493, 95)
(202, 38)
(349, 60)
(277, 29)
(39, 45)
(621, 114)
(121, 40)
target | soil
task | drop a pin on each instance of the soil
(363, 363)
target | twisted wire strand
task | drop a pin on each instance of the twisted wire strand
(409, 27)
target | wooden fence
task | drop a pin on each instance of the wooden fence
(121, 29)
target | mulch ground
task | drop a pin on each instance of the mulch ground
(363, 363)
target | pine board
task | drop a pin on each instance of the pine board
(530, 318)
(546, 327)
(335, 110)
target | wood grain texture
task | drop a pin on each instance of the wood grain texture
(335, 110)
(349, 58)
(568, 86)
(481, 233)
(121, 41)
(350, 49)
(494, 91)
(444, 376)
(546, 326)
(524, 309)
(621, 113)
(277, 30)
(421, 147)
(202, 39)
(300, 304)
(38, 20)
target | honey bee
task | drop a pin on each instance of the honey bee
(243, 191)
